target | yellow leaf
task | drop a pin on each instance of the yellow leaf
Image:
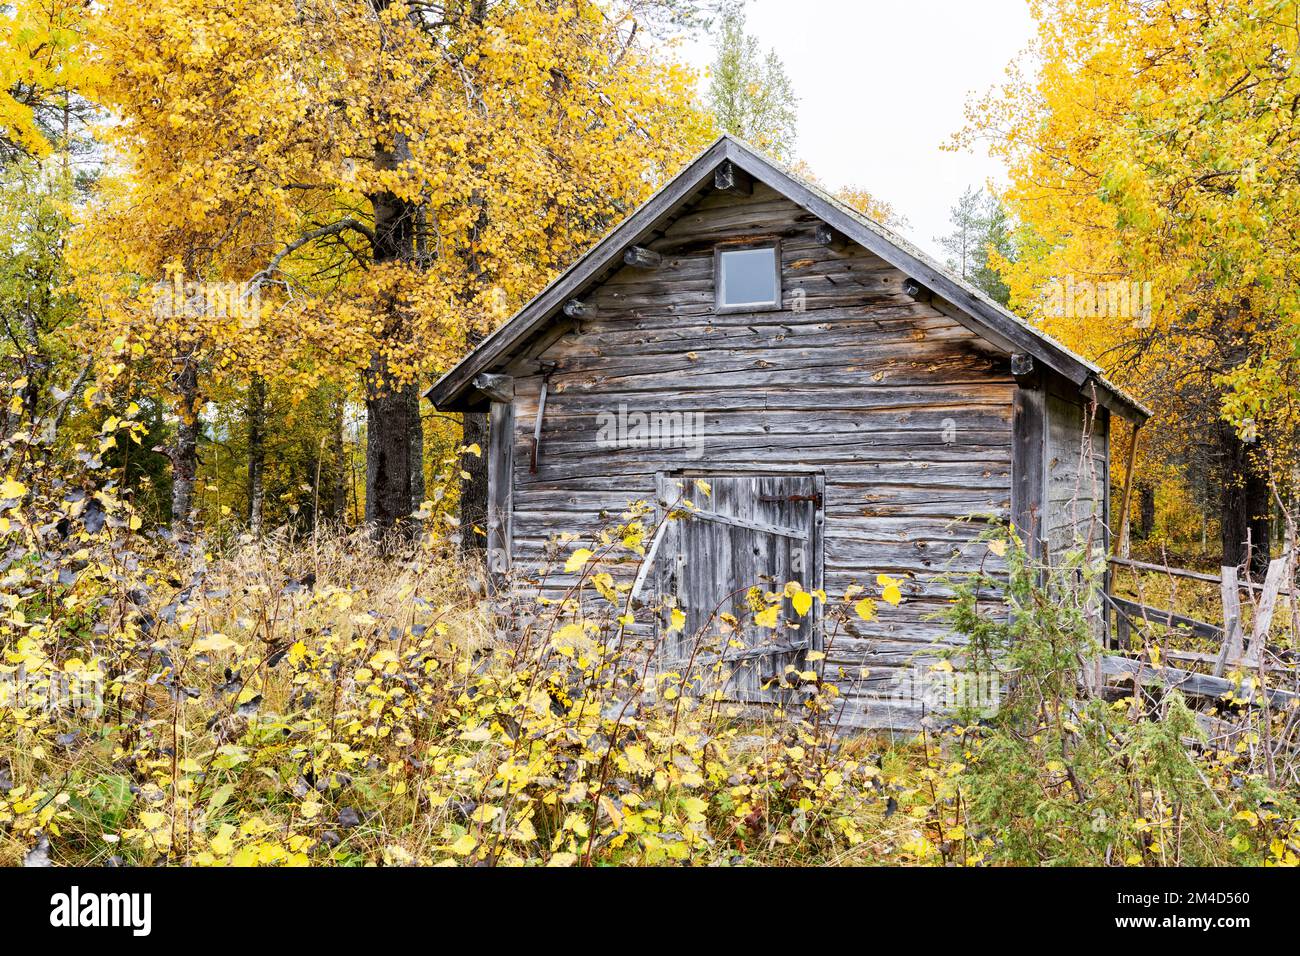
(891, 593)
(464, 846)
(866, 609)
(577, 560)
(525, 832)
(694, 808)
(802, 602)
(12, 488)
(214, 643)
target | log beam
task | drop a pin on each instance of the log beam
(730, 178)
(639, 257)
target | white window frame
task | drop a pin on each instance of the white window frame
(720, 305)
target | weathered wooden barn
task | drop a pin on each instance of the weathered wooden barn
(845, 397)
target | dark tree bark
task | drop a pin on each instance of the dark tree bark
(474, 487)
(1245, 503)
(394, 439)
(256, 453)
(393, 415)
(1146, 510)
(417, 455)
(185, 449)
(394, 433)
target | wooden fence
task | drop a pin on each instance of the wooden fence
(1197, 673)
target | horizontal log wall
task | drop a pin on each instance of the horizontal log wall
(906, 413)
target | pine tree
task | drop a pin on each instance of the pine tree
(749, 93)
(981, 237)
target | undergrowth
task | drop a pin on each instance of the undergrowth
(330, 702)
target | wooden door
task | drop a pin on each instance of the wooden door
(752, 530)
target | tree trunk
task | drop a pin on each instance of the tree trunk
(256, 453)
(1146, 509)
(393, 436)
(474, 485)
(417, 455)
(1246, 504)
(392, 414)
(185, 450)
(35, 365)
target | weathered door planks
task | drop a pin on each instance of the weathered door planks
(753, 531)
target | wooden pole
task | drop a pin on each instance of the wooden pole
(1232, 631)
(1118, 544)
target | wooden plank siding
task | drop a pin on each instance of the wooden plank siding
(906, 413)
(1076, 485)
(1077, 472)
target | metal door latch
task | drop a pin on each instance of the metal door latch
(816, 499)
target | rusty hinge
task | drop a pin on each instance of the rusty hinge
(816, 499)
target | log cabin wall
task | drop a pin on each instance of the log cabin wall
(905, 412)
(1077, 484)
(1078, 469)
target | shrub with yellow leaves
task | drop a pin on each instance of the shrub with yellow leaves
(272, 703)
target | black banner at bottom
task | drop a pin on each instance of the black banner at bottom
(142, 908)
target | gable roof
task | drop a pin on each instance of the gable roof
(456, 390)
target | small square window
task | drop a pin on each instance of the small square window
(748, 279)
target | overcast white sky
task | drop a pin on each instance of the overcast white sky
(882, 85)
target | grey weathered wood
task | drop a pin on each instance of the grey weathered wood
(1163, 569)
(1144, 614)
(730, 156)
(537, 425)
(762, 527)
(501, 435)
(1267, 604)
(1123, 632)
(1075, 483)
(1232, 628)
(729, 178)
(498, 388)
(639, 257)
(647, 565)
(1189, 682)
(577, 309)
(746, 539)
(900, 416)
(829, 237)
(1028, 467)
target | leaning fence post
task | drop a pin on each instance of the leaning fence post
(1267, 604)
(1232, 632)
